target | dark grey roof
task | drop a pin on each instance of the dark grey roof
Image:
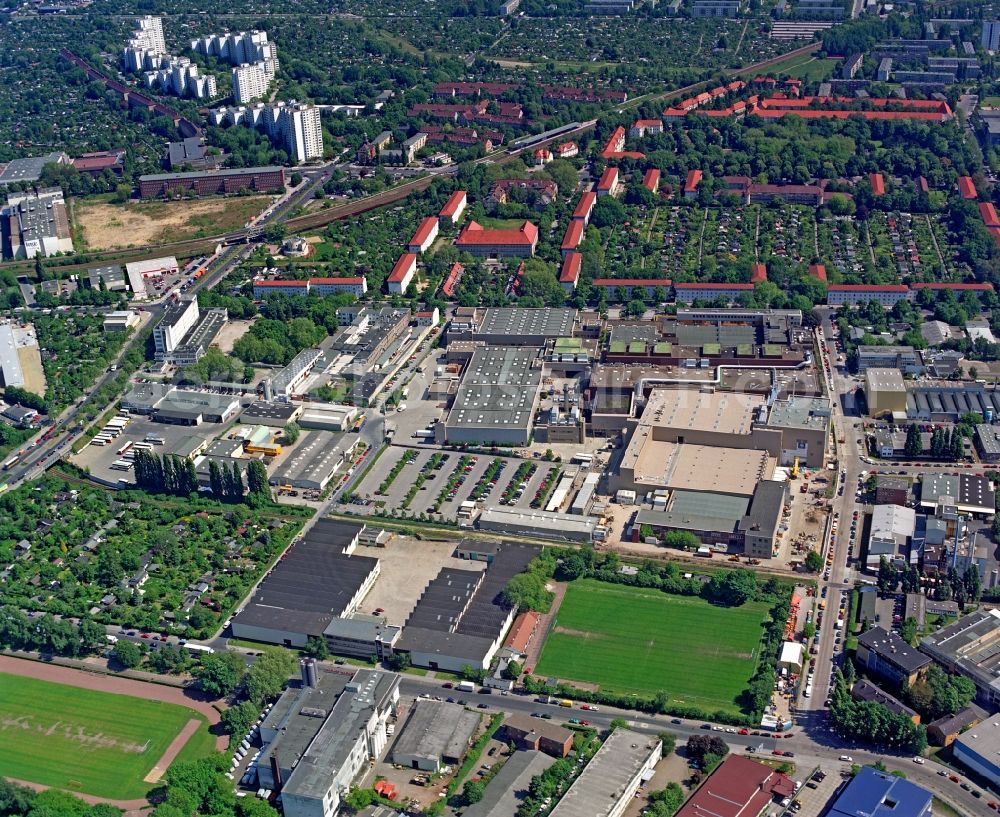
(202, 174)
(764, 513)
(509, 788)
(867, 691)
(269, 411)
(893, 649)
(953, 724)
(312, 584)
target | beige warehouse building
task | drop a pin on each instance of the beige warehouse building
(885, 392)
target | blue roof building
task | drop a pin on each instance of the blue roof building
(874, 794)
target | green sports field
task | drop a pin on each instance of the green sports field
(631, 640)
(86, 741)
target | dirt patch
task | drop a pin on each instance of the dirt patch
(569, 631)
(108, 226)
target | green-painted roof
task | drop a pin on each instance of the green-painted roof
(568, 344)
(773, 350)
(711, 349)
(637, 347)
(663, 348)
(744, 349)
(618, 347)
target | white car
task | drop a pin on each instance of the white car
(847, 758)
(919, 760)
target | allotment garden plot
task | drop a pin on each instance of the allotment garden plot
(632, 640)
(417, 482)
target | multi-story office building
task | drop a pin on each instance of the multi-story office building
(176, 322)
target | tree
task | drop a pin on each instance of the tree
(128, 654)
(237, 720)
(732, 588)
(913, 446)
(666, 802)
(316, 647)
(808, 630)
(512, 671)
(700, 745)
(257, 484)
(269, 673)
(291, 432)
(221, 673)
(682, 540)
(668, 742)
(617, 723)
(887, 577)
(473, 791)
(526, 591)
(813, 562)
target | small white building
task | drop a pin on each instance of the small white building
(791, 656)
(120, 321)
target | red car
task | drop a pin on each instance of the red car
(584, 706)
(778, 752)
(145, 635)
(447, 685)
(584, 723)
(744, 731)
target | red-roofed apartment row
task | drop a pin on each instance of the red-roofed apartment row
(478, 240)
(356, 285)
(691, 184)
(758, 272)
(573, 237)
(452, 279)
(877, 183)
(585, 206)
(424, 236)
(402, 273)
(817, 271)
(890, 294)
(989, 214)
(651, 180)
(643, 126)
(739, 787)
(567, 150)
(609, 183)
(569, 275)
(615, 147)
(966, 188)
(521, 632)
(453, 208)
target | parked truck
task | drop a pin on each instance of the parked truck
(465, 686)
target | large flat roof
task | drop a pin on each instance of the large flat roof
(874, 794)
(970, 491)
(596, 791)
(315, 458)
(520, 321)
(884, 380)
(972, 644)
(801, 412)
(509, 788)
(313, 583)
(366, 693)
(738, 787)
(695, 467)
(696, 410)
(437, 730)
(504, 365)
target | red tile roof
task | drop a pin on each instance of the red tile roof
(989, 214)
(967, 188)
(474, 234)
(402, 266)
(877, 183)
(631, 282)
(427, 226)
(609, 178)
(451, 206)
(356, 280)
(817, 271)
(585, 205)
(758, 272)
(281, 283)
(693, 180)
(984, 287)
(521, 631)
(570, 272)
(452, 279)
(739, 787)
(715, 286)
(868, 288)
(573, 236)
(651, 179)
(99, 162)
(647, 123)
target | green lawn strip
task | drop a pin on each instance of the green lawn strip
(630, 640)
(87, 741)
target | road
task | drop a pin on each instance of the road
(810, 747)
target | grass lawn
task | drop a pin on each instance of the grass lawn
(87, 741)
(501, 223)
(990, 102)
(632, 640)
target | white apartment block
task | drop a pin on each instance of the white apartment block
(294, 126)
(250, 82)
(240, 48)
(179, 76)
(145, 45)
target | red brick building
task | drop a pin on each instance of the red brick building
(212, 183)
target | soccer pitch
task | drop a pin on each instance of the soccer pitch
(634, 640)
(85, 741)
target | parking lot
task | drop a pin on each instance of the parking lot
(428, 481)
